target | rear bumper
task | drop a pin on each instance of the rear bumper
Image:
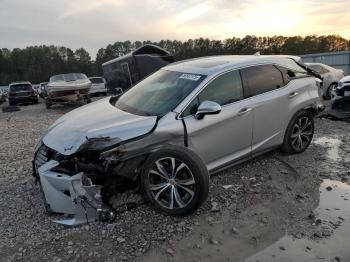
(25, 99)
(68, 195)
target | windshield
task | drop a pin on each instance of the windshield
(97, 80)
(21, 87)
(67, 77)
(159, 93)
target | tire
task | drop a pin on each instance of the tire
(48, 105)
(328, 94)
(88, 100)
(188, 193)
(11, 103)
(300, 128)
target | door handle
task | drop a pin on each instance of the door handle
(294, 94)
(244, 111)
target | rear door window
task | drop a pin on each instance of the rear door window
(223, 90)
(261, 79)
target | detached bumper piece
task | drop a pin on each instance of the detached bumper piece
(69, 195)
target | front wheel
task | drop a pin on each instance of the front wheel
(175, 181)
(299, 133)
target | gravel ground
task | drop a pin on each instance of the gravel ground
(250, 206)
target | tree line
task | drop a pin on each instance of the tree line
(38, 63)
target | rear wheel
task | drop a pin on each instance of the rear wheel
(330, 89)
(48, 104)
(175, 181)
(299, 133)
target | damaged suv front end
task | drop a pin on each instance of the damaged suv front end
(75, 160)
(96, 152)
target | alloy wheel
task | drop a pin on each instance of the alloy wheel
(331, 90)
(171, 183)
(302, 133)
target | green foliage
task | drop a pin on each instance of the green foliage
(38, 63)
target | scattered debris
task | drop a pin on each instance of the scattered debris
(215, 207)
(213, 241)
(235, 230)
(7, 109)
(170, 251)
(338, 259)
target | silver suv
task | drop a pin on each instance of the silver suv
(174, 128)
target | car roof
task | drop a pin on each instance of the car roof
(20, 83)
(214, 64)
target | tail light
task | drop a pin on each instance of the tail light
(12, 93)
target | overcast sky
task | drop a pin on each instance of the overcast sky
(93, 24)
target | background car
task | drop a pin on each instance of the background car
(330, 75)
(22, 92)
(341, 96)
(98, 86)
(41, 90)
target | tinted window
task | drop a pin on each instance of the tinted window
(261, 79)
(223, 90)
(22, 87)
(97, 80)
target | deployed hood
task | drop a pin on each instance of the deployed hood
(93, 121)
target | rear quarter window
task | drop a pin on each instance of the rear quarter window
(261, 79)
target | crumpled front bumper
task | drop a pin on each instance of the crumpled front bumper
(74, 196)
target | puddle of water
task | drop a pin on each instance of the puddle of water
(332, 144)
(333, 209)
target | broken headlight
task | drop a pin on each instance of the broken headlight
(114, 153)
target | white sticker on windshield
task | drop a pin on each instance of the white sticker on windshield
(190, 77)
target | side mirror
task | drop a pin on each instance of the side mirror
(207, 108)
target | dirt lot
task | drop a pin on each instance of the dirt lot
(274, 208)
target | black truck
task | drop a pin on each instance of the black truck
(125, 71)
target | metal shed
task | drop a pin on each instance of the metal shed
(125, 71)
(340, 60)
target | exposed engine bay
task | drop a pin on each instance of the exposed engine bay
(100, 180)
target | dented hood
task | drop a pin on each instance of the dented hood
(96, 120)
